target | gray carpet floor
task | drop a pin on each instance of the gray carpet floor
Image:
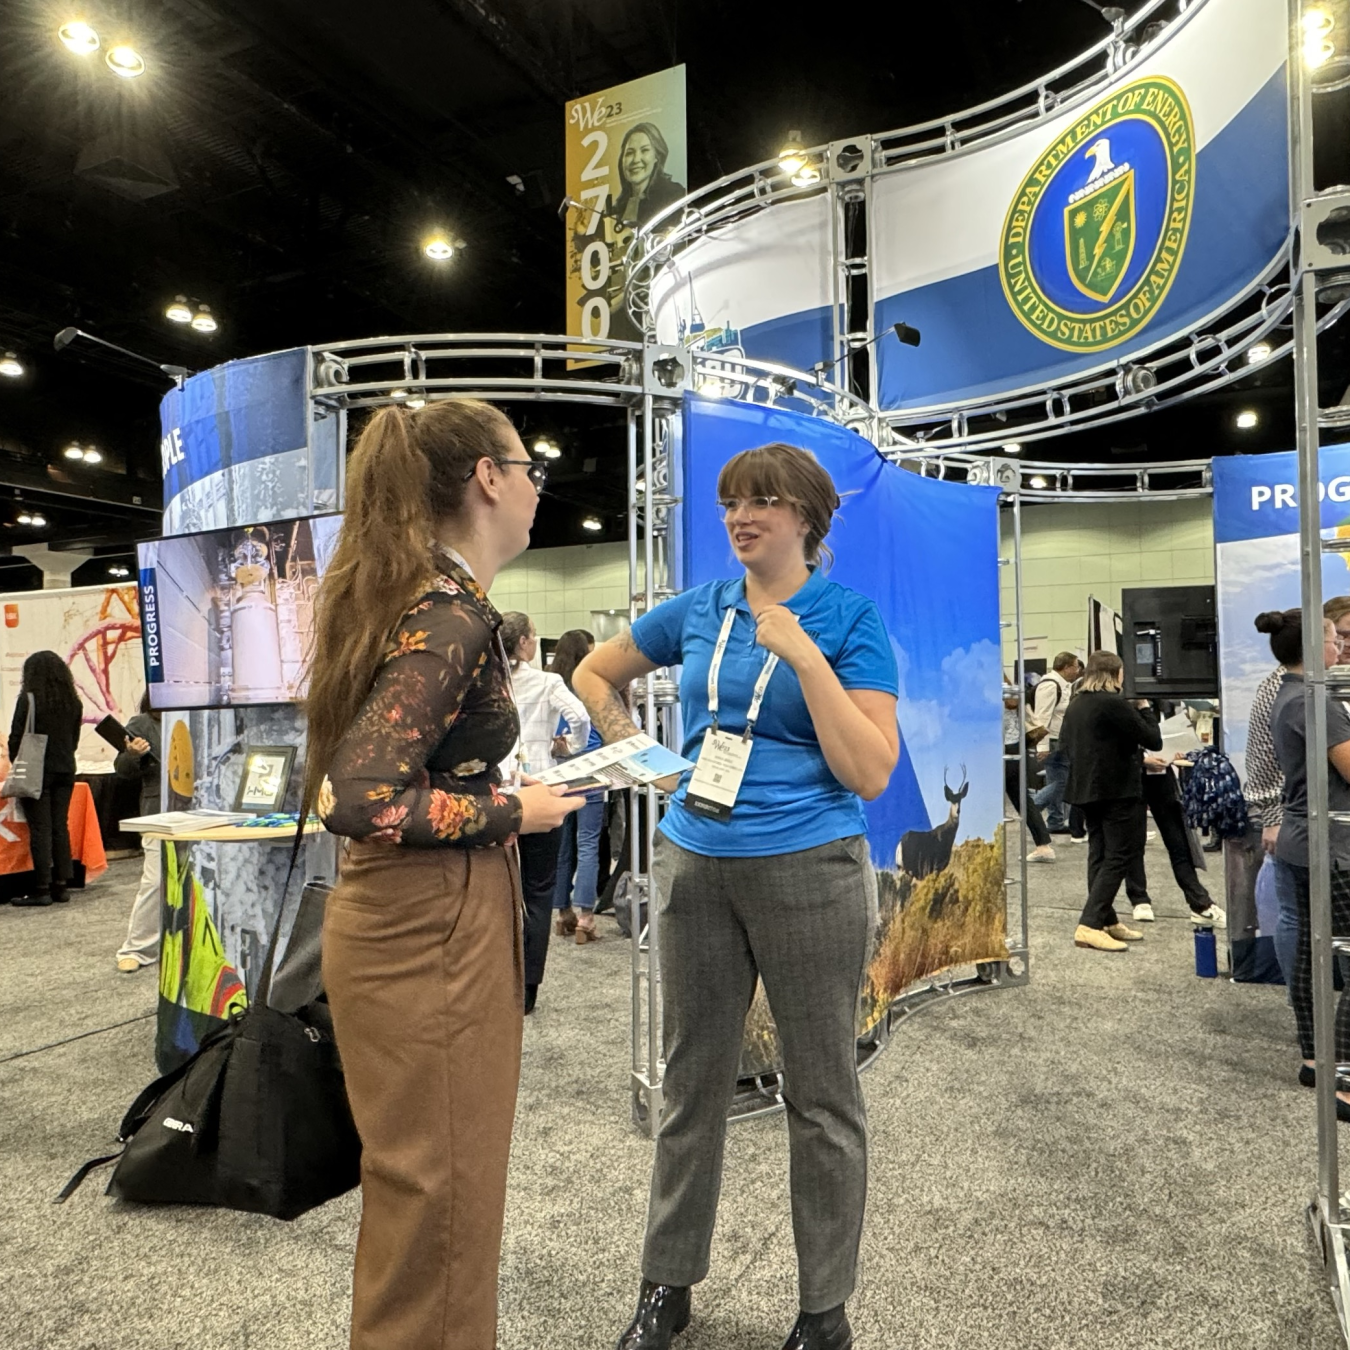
(1115, 1156)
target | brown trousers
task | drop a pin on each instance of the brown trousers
(423, 966)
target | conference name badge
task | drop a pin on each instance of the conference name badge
(1096, 231)
(716, 779)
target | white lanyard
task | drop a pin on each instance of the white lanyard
(715, 668)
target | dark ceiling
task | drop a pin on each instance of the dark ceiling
(280, 161)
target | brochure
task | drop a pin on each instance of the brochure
(632, 762)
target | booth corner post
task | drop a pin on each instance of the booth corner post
(1312, 255)
(1017, 968)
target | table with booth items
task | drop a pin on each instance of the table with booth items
(86, 844)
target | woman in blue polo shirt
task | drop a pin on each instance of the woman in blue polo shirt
(789, 681)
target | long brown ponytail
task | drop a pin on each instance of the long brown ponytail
(407, 473)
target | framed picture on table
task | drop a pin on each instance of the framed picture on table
(262, 784)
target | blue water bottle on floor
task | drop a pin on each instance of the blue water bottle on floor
(1206, 955)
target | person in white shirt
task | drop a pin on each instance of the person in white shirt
(541, 699)
(1050, 699)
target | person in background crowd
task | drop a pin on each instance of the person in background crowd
(1014, 755)
(1103, 735)
(1288, 727)
(140, 762)
(1050, 701)
(769, 879)
(541, 699)
(410, 716)
(1264, 785)
(579, 850)
(58, 715)
(1162, 798)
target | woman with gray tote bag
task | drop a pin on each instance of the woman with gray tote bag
(56, 714)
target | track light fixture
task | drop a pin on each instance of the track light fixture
(119, 571)
(545, 449)
(1258, 352)
(125, 61)
(593, 523)
(74, 451)
(439, 246)
(203, 320)
(792, 157)
(179, 311)
(78, 37)
(35, 519)
(1246, 419)
(10, 366)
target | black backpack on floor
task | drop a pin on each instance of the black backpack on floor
(257, 1119)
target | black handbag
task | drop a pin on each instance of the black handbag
(257, 1119)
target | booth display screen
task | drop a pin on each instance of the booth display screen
(228, 615)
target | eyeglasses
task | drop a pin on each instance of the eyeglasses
(728, 506)
(537, 473)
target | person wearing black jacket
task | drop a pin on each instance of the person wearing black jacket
(1103, 735)
(58, 715)
(140, 762)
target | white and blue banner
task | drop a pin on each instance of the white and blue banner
(1094, 234)
(927, 553)
(236, 446)
(1256, 565)
(760, 288)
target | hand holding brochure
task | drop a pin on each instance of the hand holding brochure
(634, 761)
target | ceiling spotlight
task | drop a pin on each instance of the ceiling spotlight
(1013, 448)
(545, 449)
(126, 62)
(78, 37)
(203, 320)
(417, 403)
(807, 175)
(398, 394)
(25, 518)
(10, 366)
(592, 523)
(1246, 419)
(179, 311)
(1039, 482)
(438, 246)
(92, 456)
(792, 157)
(118, 572)
(1135, 380)
(74, 451)
(1258, 352)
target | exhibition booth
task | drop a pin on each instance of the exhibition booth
(1114, 238)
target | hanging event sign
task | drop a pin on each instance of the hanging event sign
(1094, 234)
(626, 160)
(1256, 566)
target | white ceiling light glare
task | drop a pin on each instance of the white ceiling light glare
(125, 61)
(35, 519)
(545, 449)
(1039, 482)
(792, 158)
(118, 571)
(1258, 352)
(74, 451)
(203, 320)
(806, 176)
(1318, 47)
(10, 366)
(92, 456)
(439, 247)
(1013, 448)
(1246, 420)
(178, 311)
(593, 523)
(78, 37)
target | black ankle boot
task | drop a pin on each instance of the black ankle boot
(41, 896)
(662, 1313)
(531, 993)
(60, 895)
(821, 1331)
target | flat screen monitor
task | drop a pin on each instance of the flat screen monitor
(227, 615)
(1171, 642)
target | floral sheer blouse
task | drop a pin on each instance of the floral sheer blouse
(419, 766)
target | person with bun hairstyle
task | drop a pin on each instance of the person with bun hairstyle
(410, 715)
(792, 678)
(1103, 735)
(1288, 731)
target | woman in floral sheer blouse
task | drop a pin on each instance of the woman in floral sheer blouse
(410, 714)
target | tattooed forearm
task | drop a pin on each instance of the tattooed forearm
(594, 682)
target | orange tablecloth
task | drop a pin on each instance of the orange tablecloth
(86, 842)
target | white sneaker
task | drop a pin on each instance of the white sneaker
(1152, 834)
(1044, 854)
(1143, 913)
(1213, 917)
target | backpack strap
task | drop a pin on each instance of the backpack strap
(77, 1180)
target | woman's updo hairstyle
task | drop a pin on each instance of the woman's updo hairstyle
(1286, 634)
(793, 476)
(514, 630)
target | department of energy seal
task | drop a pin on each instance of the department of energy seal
(1095, 233)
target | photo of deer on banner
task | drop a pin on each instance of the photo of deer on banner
(626, 161)
(926, 552)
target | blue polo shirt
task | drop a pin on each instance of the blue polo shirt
(789, 800)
